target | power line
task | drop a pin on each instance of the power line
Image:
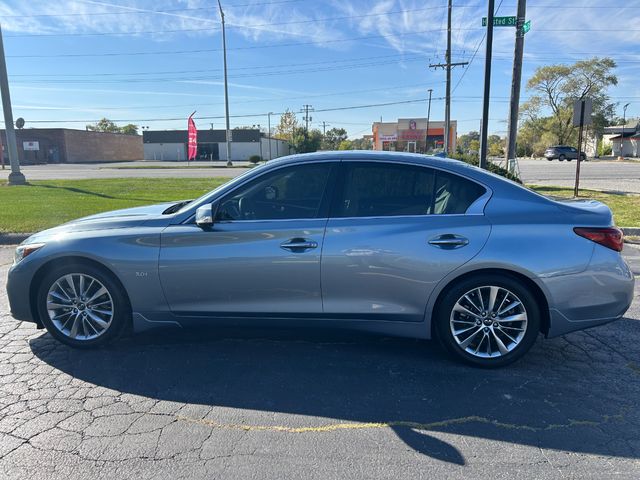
(208, 50)
(146, 12)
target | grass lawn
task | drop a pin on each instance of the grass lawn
(625, 207)
(47, 203)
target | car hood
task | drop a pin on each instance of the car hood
(125, 218)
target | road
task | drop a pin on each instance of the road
(599, 175)
(290, 405)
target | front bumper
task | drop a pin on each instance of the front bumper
(18, 285)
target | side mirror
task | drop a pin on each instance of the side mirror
(205, 216)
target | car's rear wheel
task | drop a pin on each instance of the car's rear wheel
(81, 305)
(488, 320)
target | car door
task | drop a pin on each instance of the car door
(261, 256)
(572, 153)
(394, 232)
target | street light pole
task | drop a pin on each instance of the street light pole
(426, 141)
(226, 88)
(487, 87)
(624, 124)
(269, 133)
(15, 177)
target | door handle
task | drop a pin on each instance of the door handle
(449, 241)
(299, 244)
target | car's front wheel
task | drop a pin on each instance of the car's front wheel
(81, 305)
(488, 320)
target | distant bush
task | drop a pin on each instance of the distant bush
(493, 168)
(255, 158)
(604, 149)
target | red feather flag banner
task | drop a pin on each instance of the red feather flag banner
(193, 138)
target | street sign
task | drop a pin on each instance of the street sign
(586, 116)
(501, 21)
(33, 145)
(526, 27)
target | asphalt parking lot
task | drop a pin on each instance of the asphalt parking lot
(272, 404)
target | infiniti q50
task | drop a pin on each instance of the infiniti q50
(399, 244)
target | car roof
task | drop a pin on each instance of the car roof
(495, 182)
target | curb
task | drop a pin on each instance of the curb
(13, 238)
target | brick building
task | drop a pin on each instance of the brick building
(65, 145)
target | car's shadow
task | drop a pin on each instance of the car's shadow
(566, 394)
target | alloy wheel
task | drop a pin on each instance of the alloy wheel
(80, 306)
(488, 321)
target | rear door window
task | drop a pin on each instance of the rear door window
(376, 189)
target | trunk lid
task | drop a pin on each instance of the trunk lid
(586, 212)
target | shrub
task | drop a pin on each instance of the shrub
(255, 158)
(493, 168)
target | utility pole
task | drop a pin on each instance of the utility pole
(447, 66)
(15, 177)
(226, 88)
(324, 128)
(487, 87)
(624, 124)
(426, 141)
(269, 128)
(307, 118)
(516, 79)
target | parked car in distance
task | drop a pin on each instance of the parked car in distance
(394, 243)
(562, 153)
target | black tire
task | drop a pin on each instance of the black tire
(444, 311)
(550, 159)
(561, 158)
(583, 157)
(121, 309)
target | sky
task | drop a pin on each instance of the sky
(153, 63)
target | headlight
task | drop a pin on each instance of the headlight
(25, 250)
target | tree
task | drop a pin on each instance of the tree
(495, 145)
(333, 138)
(362, 144)
(287, 127)
(555, 87)
(129, 129)
(305, 142)
(345, 145)
(464, 142)
(106, 125)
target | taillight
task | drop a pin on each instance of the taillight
(610, 237)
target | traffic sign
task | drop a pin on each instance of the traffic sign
(501, 21)
(526, 27)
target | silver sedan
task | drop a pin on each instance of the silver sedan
(398, 244)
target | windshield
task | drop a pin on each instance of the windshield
(225, 185)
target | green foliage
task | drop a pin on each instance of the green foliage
(362, 144)
(345, 145)
(464, 143)
(106, 125)
(255, 158)
(287, 127)
(554, 89)
(129, 129)
(305, 142)
(604, 149)
(495, 146)
(333, 138)
(493, 168)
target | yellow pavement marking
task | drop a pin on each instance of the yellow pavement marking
(332, 427)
